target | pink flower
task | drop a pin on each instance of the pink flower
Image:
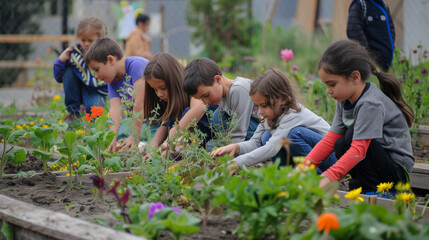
(295, 67)
(287, 54)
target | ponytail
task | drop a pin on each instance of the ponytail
(391, 87)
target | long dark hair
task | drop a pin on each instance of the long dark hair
(345, 56)
(274, 86)
(165, 66)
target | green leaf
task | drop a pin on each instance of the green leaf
(114, 163)
(56, 161)
(87, 151)
(63, 150)
(19, 156)
(69, 140)
(14, 135)
(100, 123)
(60, 127)
(7, 230)
(92, 139)
(42, 154)
(62, 188)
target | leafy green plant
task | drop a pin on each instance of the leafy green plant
(98, 160)
(271, 200)
(149, 219)
(10, 135)
(69, 142)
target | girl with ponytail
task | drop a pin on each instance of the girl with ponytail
(369, 133)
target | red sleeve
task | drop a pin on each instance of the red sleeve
(353, 156)
(323, 148)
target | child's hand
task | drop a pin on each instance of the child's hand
(127, 144)
(231, 149)
(112, 146)
(65, 56)
(233, 168)
(324, 181)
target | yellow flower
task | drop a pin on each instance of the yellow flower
(384, 187)
(57, 97)
(193, 140)
(184, 200)
(2, 140)
(68, 174)
(40, 120)
(62, 115)
(25, 134)
(403, 187)
(84, 156)
(336, 196)
(354, 195)
(107, 114)
(120, 191)
(19, 127)
(59, 121)
(124, 112)
(31, 123)
(282, 194)
(406, 197)
(312, 166)
(45, 126)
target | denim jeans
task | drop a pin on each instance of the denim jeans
(77, 93)
(221, 123)
(303, 141)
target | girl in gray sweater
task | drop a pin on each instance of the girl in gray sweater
(283, 117)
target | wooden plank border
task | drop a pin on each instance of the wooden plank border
(54, 225)
(30, 38)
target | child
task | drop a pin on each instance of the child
(164, 80)
(80, 84)
(203, 80)
(138, 43)
(283, 118)
(372, 26)
(123, 76)
(369, 133)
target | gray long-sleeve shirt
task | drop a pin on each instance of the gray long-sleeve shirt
(251, 151)
(238, 102)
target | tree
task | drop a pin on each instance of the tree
(222, 26)
(16, 18)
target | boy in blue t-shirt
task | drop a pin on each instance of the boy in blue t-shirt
(122, 76)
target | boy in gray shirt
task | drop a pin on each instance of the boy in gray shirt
(203, 80)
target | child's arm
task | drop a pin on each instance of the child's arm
(353, 156)
(323, 148)
(197, 110)
(160, 136)
(115, 113)
(60, 65)
(139, 86)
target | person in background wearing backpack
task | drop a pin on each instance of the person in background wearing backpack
(371, 25)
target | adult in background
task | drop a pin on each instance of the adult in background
(371, 25)
(138, 43)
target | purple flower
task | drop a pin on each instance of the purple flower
(177, 211)
(154, 208)
(424, 71)
(295, 67)
(98, 183)
(404, 76)
(416, 80)
(316, 102)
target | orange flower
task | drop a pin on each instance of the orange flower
(88, 117)
(97, 111)
(328, 221)
(38, 60)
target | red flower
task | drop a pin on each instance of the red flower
(328, 221)
(88, 117)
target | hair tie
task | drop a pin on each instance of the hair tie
(376, 71)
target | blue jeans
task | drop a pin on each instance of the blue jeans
(221, 123)
(125, 131)
(303, 141)
(77, 93)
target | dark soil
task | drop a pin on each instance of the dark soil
(31, 164)
(41, 190)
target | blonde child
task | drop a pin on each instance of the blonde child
(164, 80)
(369, 133)
(283, 117)
(123, 75)
(81, 87)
